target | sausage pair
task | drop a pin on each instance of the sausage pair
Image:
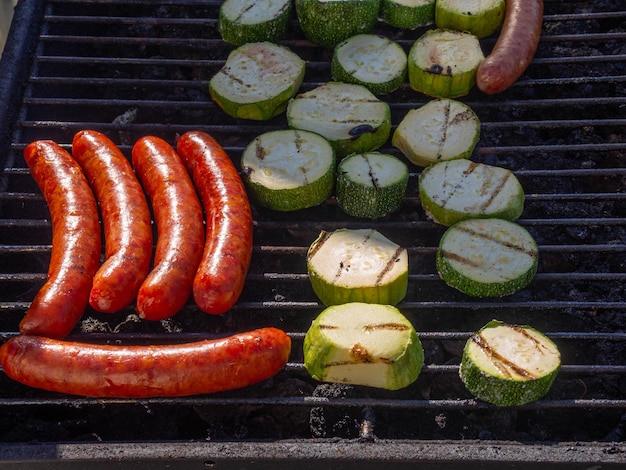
(218, 260)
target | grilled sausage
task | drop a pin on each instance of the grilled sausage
(515, 48)
(125, 217)
(180, 231)
(146, 371)
(76, 241)
(228, 247)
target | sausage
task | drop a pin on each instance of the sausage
(125, 218)
(515, 48)
(76, 241)
(101, 370)
(180, 231)
(228, 246)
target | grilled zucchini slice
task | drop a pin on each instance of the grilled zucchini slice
(371, 185)
(487, 257)
(363, 344)
(481, 18)
(349, 116)
(242, 21)
(289, 169)
(370, 60)
(509, 365)
(442, 63)
(442, 129)
(456, 190)
(358, 265)
(257, 81)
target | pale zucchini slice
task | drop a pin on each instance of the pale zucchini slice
(442, 129)
(371, 185)
(257, 81)
(370, 60)
(456, 190)
(363, 344)
(358, 265)
(349, 116)
(509, 365)
(487, 257)
(482, 18)
(289, 169)
(407, 14)
(242, 21)
(442, 63)
(328, 22)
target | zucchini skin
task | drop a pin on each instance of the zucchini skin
(500, 391)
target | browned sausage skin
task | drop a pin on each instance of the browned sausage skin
(146, 371)
(180, 230)
(76, 241)
(515, 48)
(228, 247)
(125, 218)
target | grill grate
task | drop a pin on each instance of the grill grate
(141, 67)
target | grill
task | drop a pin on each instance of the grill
(141, 67)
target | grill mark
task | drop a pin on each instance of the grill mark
(497, 190)
(370, 173)
(444, 131)
(243, 13)
(456, 187)
(386, 326)
(389, 266)
(317, 246)
(450, 255)
(485, 236)
(506, 367)
(346, 267)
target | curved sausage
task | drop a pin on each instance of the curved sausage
(146, 371)
(180, 231)
(76, 241)
(228, 247)
(125, 218)
(515, 48)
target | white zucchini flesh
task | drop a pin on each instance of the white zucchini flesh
(487, 257)
(442, 129)
(363, 344)
(509, 365)
(257, 80)
(456, 190)
(371, 60)
(350, 116)
(289, 169)
(350, 265)
(242, 21)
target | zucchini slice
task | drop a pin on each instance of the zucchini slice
(328, 22)
(358, 265)
(461, 189)
(442, 63)
(242, 21)
(482, 18)
(257, 81)
(371, 185)
(349, 116)
(487, 257)
(442, 129)
(407, 14)
(370, 60)
(289, 169)
(509, 365)
(363, 344)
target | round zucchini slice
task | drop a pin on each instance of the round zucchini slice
(371, 60)
(363, 344)
(487, 257)
(481, 18)
(289, 169)
(456, 190)
(442, 129)
(328, 22)
(358, 265)
(442, 63)
(349, 116)
(408, 14)
(257, 81)
(509, 365)
(242, 21)
(371, 185)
